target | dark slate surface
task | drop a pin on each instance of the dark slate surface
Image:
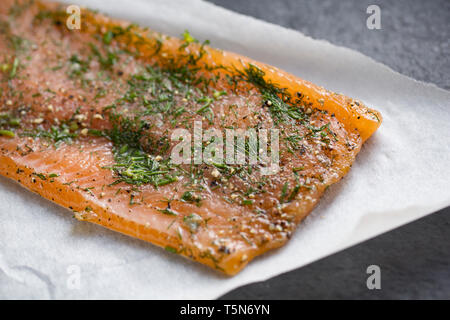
(414, 40)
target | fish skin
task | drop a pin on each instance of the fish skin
(84, 185)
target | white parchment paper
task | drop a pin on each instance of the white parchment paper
(401, 174)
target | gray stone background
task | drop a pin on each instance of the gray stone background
(415, 41)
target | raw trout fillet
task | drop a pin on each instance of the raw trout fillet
(90, 118)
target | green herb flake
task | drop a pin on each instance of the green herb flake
(7, 133)
(188, 38)
(171, 249)
(168, 211)
(15, 65)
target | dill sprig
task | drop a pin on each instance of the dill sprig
(55, 134)
(275, 98)
(132, 164)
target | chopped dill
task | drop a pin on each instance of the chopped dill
(56, 134)
(132, 164)
(275, 98)
(7, 133)
(171, 249)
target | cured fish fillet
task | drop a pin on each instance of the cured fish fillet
(87, 118)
